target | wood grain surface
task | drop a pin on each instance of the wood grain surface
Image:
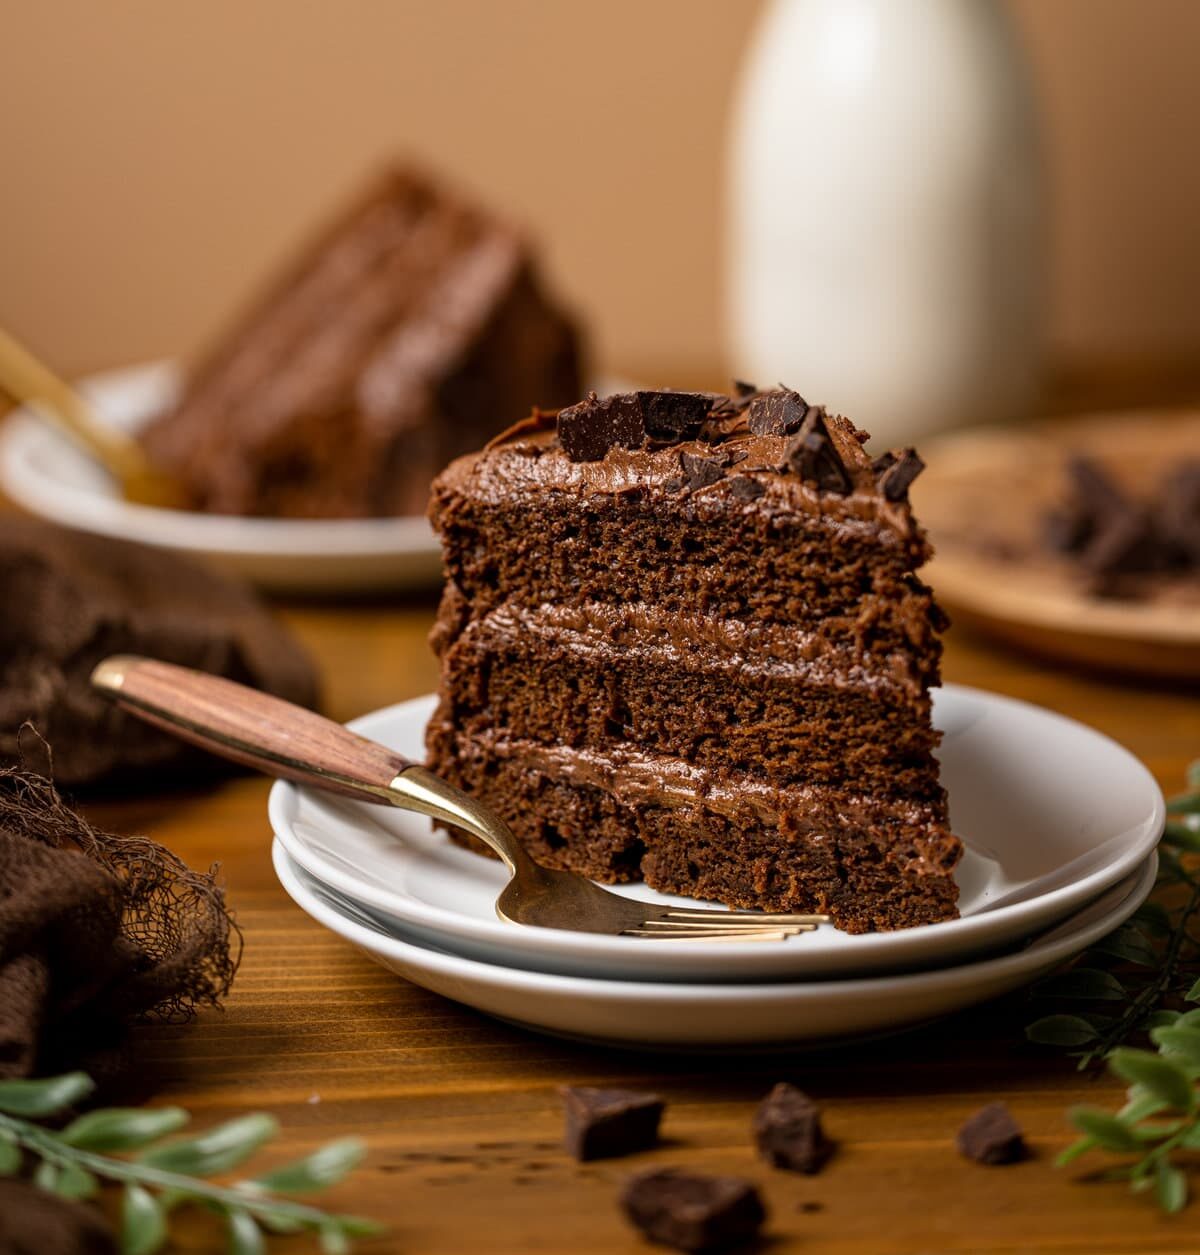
(460, 1112)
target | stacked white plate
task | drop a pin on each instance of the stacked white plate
(1060, 825)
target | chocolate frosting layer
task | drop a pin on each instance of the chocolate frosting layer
(741, 456)
(705, 642)
(638, 779)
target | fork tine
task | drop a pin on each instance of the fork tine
(781, 934)
(707, 926)
(740, 918)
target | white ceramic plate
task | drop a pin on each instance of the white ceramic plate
(1053, 814)
(46, 474)
(681, 1016)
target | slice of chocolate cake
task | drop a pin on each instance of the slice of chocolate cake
(410, 332)
(683, 639)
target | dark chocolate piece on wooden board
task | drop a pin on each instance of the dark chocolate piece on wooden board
(777, 413)
(699, 471)
(589, 429)
(693, 1212)
(811, 455)
(992, 1136)
(602, 1123)
(675, 416)
(896, 477)
(788, 1132)
(1179, 510)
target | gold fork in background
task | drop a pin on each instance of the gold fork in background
(34, 385)
(285, 740)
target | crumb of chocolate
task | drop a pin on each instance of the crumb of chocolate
(992, 1136)
(788, 1131)
(602, 1123)
(693, 1212)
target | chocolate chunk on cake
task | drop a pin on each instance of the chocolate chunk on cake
(71, 599)
(693, 648)
(410, 332)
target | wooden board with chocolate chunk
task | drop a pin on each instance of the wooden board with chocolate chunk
(1077, 538)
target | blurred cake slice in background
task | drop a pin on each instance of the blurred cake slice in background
(408, 333)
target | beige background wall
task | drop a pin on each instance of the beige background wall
(158, 156)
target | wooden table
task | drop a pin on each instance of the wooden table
(460, 1112)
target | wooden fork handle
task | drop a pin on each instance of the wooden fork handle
(250, 727)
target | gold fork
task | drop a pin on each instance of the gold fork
(285, 740)
(33, 384)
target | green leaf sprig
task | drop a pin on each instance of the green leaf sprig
(161, 1176)
(1161, 1115)
(1156, 949)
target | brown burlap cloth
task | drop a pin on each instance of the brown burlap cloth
(96, 931)
(67, 600)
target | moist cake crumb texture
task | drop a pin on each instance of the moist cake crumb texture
(683, 639)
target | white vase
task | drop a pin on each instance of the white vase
(884, 198)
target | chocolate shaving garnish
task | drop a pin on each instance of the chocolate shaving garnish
(742, 389)
(899, 473)
(699, 471)
(589, 429)
(734, 456)
(675, 416)
(811, 455)
(744, 488)
(538, 420)
(777, 413)
(992, 1136)
(602, 1123)
(693, 1212)
(788, 1132)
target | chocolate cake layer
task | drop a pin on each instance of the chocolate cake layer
(683, 638)
(408, 333)
(770, 700)
(868, 862)
(680, 549)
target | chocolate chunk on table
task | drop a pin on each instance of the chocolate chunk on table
(601, 1123)
(788, 1132)
(693, 1212)
(992, 1136)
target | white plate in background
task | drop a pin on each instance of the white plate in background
(663, 1015)
(1053, 814)
(46, 474)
